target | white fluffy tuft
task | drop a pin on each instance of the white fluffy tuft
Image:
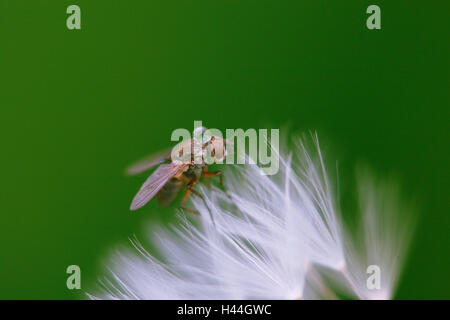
(266, 238)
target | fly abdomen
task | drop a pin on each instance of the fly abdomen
(169, 192)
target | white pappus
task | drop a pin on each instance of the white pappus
(270, 237)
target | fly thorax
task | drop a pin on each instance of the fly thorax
(195, 170)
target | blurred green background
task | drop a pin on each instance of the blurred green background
(78, 106)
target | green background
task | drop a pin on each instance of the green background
(78, 106)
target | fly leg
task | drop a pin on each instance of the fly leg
(208, 174)
(189, 190)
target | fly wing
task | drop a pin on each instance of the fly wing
(148, 162)
(156, 181)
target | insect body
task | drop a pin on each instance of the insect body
(181, 169)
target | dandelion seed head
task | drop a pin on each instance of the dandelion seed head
(262, 238)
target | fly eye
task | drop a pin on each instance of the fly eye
(199, 131)
(200, 134)
(206, 138)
